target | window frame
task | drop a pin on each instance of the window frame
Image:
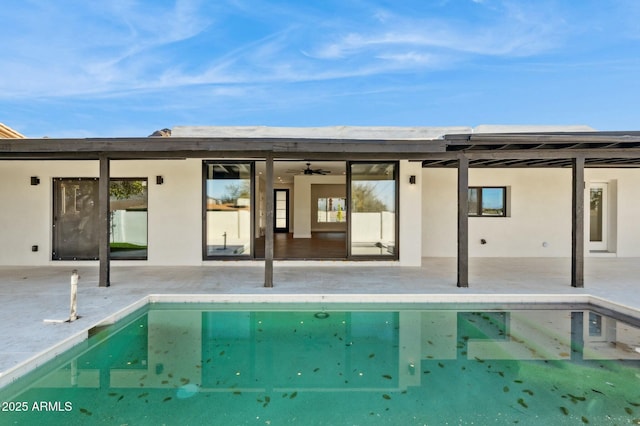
(146, 210)
(478, 211)
(250, 255)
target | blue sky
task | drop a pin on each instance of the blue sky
(77, 68)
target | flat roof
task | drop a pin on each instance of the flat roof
(515, 146)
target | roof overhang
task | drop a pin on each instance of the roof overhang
(600, 149)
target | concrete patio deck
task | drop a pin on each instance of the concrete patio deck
(31, 295)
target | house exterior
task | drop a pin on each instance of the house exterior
(223, 195)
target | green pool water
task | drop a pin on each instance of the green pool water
(193, 364)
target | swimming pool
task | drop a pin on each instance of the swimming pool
(342, 364)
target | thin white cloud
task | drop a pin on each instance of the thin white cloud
(122, 46)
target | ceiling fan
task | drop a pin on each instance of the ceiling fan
(310, 171)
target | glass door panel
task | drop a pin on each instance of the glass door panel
(373, 218)
(228, 206)
(598, 209)
(128, 205)
(281, 198)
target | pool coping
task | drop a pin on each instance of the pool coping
(11, 375)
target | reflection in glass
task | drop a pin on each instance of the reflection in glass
(487, 201)
(595, 212)
(128, 204)
(228, 206)
(493, 201)
(373, 209)
(473, 201)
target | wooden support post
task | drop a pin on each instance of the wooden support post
(269, 223)
(577, 223)
(463, 221)
(104, 279)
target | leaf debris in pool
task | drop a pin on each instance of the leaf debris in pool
(167, 399)
(293, 395)
(628, 410)
(521, 402)
(85, 411)
(505, 389)
(387, 376)
(385, 396)
(564, 410)
(585, 420)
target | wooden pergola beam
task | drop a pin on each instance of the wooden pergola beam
(104, 250)
(269, 223)
(463, 221)
(577, 222)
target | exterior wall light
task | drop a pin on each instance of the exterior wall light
(159, 180)
(35, 180)
(412, 179)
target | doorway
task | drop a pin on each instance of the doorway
(75, 219)
(281, 210)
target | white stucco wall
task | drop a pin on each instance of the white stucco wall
(174, 209)
(539, 211)
(410, 213)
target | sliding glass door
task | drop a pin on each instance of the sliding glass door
(228, 208)
(373, 195)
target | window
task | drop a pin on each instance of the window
(228, 203)
(128, 204)
(332, 209)
(488, 201)
(373, 206)
(595, 325)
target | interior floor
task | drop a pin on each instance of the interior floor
(321, 245)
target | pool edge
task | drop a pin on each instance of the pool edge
(9, 376)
